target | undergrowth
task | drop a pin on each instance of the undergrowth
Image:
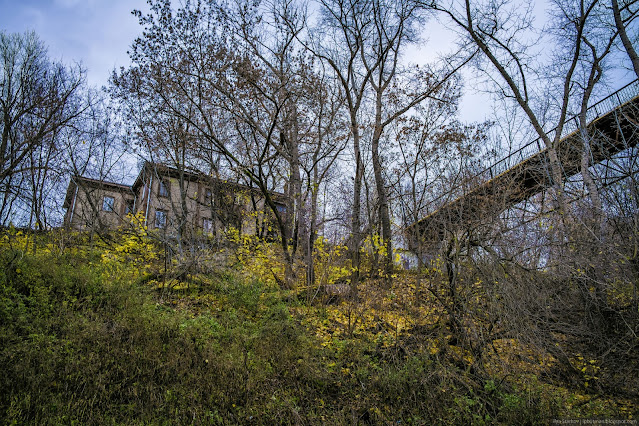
(86, 339)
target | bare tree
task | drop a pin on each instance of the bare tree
(202, 64)
(630, 11)
(504, 39)
(38, 98)
(347, 22)
(329, 139)
(430, 144)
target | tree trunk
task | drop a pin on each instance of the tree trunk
(627, 44)
(312, 233)
(593, 192)
(384, 215)
(355, 220)
(557, 176)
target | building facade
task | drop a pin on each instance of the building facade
(96, 204)
(169, 201)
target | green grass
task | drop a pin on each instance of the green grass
(79, 346)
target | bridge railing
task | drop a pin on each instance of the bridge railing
(536, 146)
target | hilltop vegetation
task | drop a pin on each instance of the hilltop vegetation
(283, 302)
(99, 332)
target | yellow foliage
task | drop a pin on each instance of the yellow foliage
(381, 316)
(328, 262)
(256, 258)
(588, 368)
(134, 249)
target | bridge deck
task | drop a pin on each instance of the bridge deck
(618, 129)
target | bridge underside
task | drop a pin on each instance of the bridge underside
(610, 134)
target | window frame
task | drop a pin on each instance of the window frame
(207, 229)
(108, 206)
(158, 222)
(129, 206)
(164, 188)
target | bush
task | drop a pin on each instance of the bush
(84, 339)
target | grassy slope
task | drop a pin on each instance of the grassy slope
(82, 341)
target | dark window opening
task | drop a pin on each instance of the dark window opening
(163, 190)
(129, 207)
(281, 208)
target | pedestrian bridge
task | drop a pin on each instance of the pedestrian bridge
(613, 124)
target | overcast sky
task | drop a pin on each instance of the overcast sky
(96, 33)
(99, 32)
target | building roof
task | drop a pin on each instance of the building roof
(164, 170)
(161, 170)
(86, 182)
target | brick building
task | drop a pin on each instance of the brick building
(166, 199)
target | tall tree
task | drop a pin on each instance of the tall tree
(328, 142)
(506, 40)
(367, 39)
(395, 91)
(38, 98)
(202, 64)
(630, 13)
(340, 43)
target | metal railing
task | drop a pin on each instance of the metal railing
(537, 146)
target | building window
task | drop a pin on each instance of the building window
(207, 226)
(208, 197)
(128, 208)
(160, 219)
(163, 190)
(108, 203)
(281, 208)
